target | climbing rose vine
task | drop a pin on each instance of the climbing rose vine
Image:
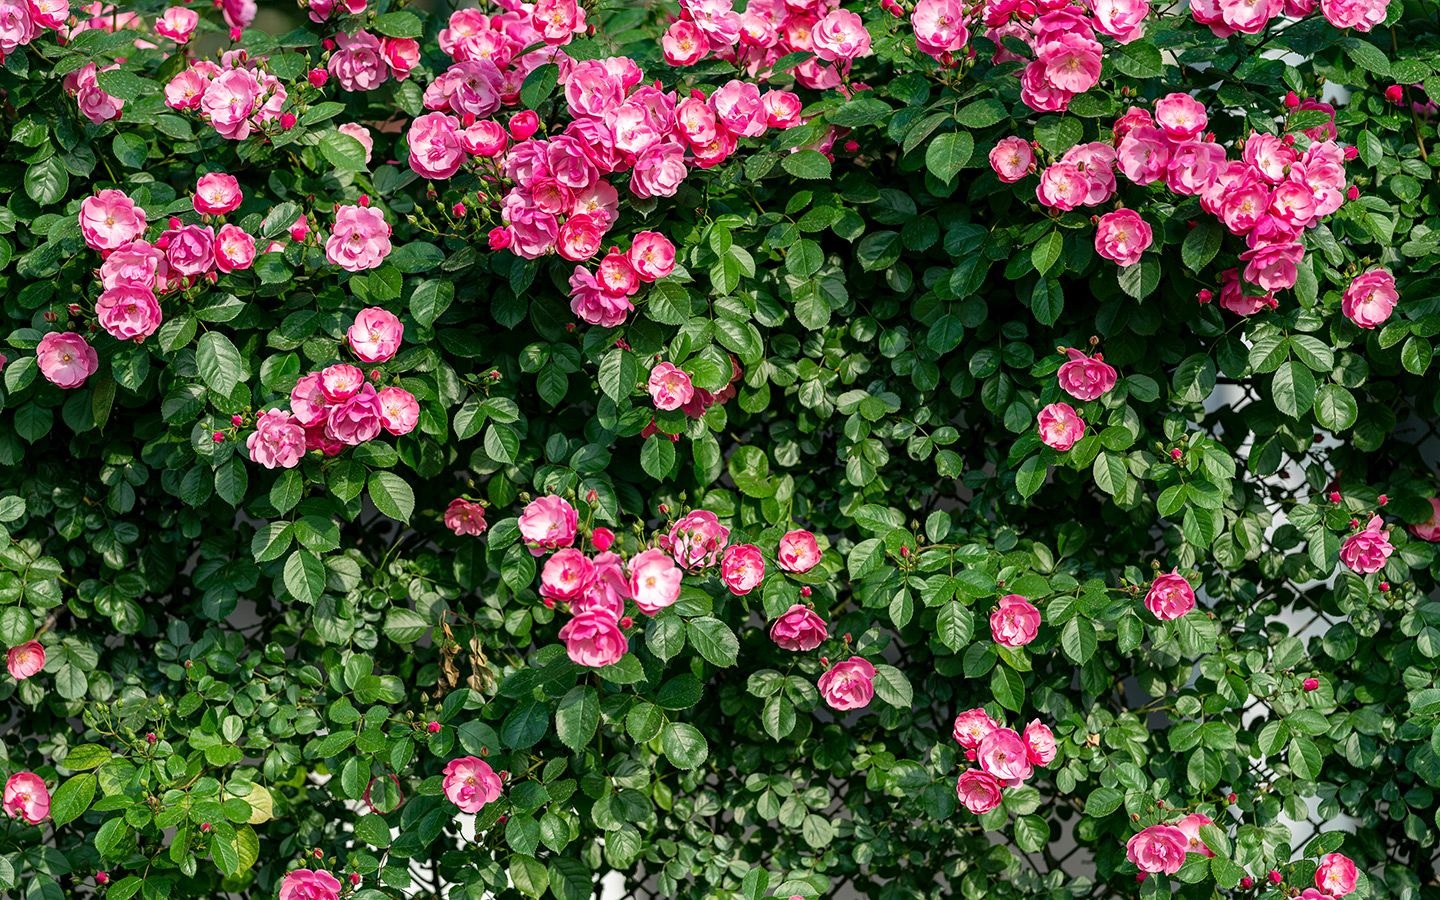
(788, 448)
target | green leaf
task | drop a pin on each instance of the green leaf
(657, 456)
(342, 150)
(1293, 389)
(1110, 473)
(1201, 245)
(714, 640)
(982, 114)
(1007, 688)
(219, 363)
(577, 717)
(399, 25)
(954, 625)
(684, 746)
(1415, 355)
(948, 154)
(1047, 251)
(539, 85)
(405, 626)
(808, 164)
(893, 687)
(47, 181)
(304, 576)
(72, 798)
(1032, 833)
(1335, 408)
(392, 495)
(1079, 640)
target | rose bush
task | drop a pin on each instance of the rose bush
(468, 452)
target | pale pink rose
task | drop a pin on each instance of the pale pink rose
(278, 441)
(401, 55)
(360, 239)
(234, 249)
(341, 382)
(1062, 186)
(1038, 93)
(939, 26)
(465, 517)
(1122, 237)
(186, 89)
(399, 411)
(616, 275)
(799, 628)
(1268, 156)
(1003, 754)
(191, 249)
(435, 147)
(566, 574)
(470, 783)
(659, 170)
(682, 44)
(1060, 426)
(127, 313)
(361, 134)
(1012, 159)
(979, 791)
(239, 14)
(355, 419)
(1159, 848)
(375, 335)
(1071, 62)
(1194, 166)
(670, 387)
(1249, 16)
(697, 540)
(26, 798)
(1123, 20)
(1015, 622)
(609, 588)
(177, 23)
(1086, 377)
(17, 26)
(1361, 15)
(484, 138)
(1337, 874)
(743, 568)
(1143, 154)
(110, 219)
(594, 639)
(1170, 596)
(475, 87)
(1273, 267)
(595, 305)
(66, 360)
(1367, 550)
(229, 102)
(1180, 116)
(1429, 530)
(357, 62)
(738, 106)
(1370, 298)
(849, 684)
(798, 551)
(1190, 827)
(782, 109)
(1234, 298)
(136, 264)
(840, 37)
(652, 255)
(308, 400)
(1039, 743)
(579, 238)
(971, 727)
(548, 523)
(1096, 161)
(94, 103)
(654, 580)
(1313, 894)
(1293, 203)
(25, 660)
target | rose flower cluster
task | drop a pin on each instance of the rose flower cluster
(1006, 758)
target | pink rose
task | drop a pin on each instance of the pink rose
(355, 419)
(1336, 874)
(742, 568)
(357, 62)
(340, 382)
(217, 194)
(670, 388)
(308, 400)
(609, 588)
(652, 255)
(971, 727)
(136, 264)
(191, 249)
(1159, 848)
(17, 26)
(1170, 596)
(110, 219)
(234, 249)
(1012, 159)
(309, 884)
(1370, 298)
(1122, 237)
(1143, 154)
(435, 147)
(558, 21)
(27, 798)
(1366, 551)
(1015, 622)
(1123, 20)
(782, 109)
(548, 523)
(1039, 743)
(465, 517)
(682, 44)
(49, 13)
(1361, 15)
(849, 684)
(1086, 377)
(470, 783)
(278, 441)
(229, 101)
(798, 551)
(979, 791)
(696, 540)
(375, 335)
(484, 138)
(840, 37)
(1003, 754)
(127, 313)
(594, 639)
(66, 360)
(1429, 530)
(25, 660)
(1060, 426)
(615, 274)
(1194, 166)
(659, 170)
(360, 239)
(799, 628)
(579, 238)
(1273, 267)
(566, 574)
(1190, 827)
(1062, 186)
(399, 411)
(1180, 116)
(186, 90)
(939, 26)
(654, 581)
(177, 23)
(94, 103)
(401, 55)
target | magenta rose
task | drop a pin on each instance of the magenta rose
(399, 411)
(375, 334)
(798, 551)
(1086, 377)
(278, 441)
(799, 628)
(1159, 848)
(742, 568)
(356, 419)
(1170, 596)
(849, 684)
(979, 791)
(696, 540)
(1060, 426)
(360, 239)
(1367, 550)
(594, 639)
(1122, 237)
(565, 575)
(548, 523)
(127, 313)
(1370, 298)
(1003, 754)
(309, 884)
(1015, 622)
(27, 798)
(1190, 827)
(217, 194)
(1336, 874)
(971, 727)
(470, 783)
(1039, 743)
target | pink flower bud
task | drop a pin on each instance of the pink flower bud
(852, 146)
(1234, 797)
(205, 827)
(150, 737)
(1394, 93)
(218, 437)
(1311, 684)
(1274, 876)
(626, 622)
(1352, 193)
(458, 210)
(318, 77)
(1291, 100)
(287, 121)
(1384, 587)
(523, 125)
(500, 238)
(102, 877)
(433, 727)
(602, 538)
(364, 200)
(355, 879)
(1334, 496)
(1383, 500)
(237, 420)
(1175, 454)
(1352, 152)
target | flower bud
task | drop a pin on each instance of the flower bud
(523, 125)
(1311, 684)
(433, 727)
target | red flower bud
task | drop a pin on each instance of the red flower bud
(1383, 500)
(1334, 496)
(364, 200)
(1234, 797)
(102, 877)
(1311, 684)
(1352, 193)
(318, 77)
(1204, 296)
(433, 727)
(458, 210)
(626, 622)
(1395, 93)
(355, 879)
(1247, 882)
(1291, 101)
(218, 437)
(205, 827)
(805, 590)
(1274, 876)
(523, 125)
(287, 121)
(1175, 453)
(1384, 587)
